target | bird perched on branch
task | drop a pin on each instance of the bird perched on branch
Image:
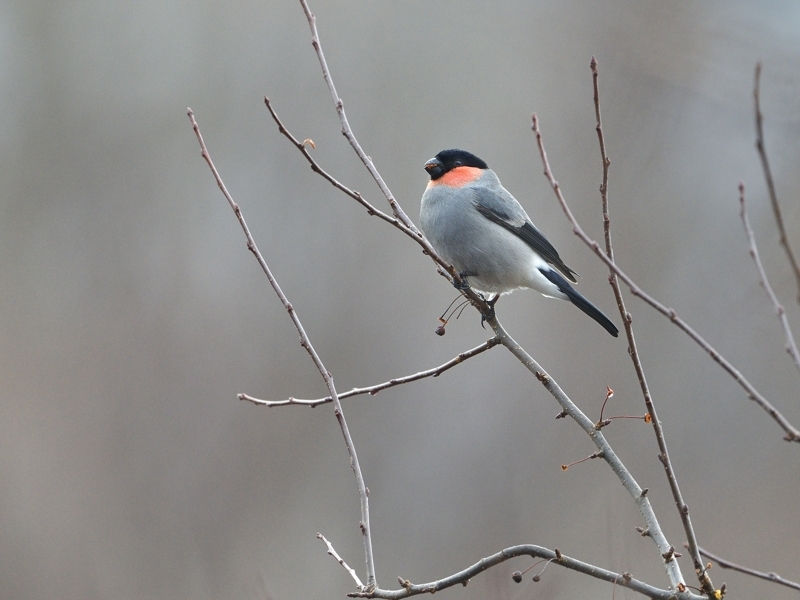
(476, 225)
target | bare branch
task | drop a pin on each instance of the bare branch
(726, 564)
(305, 342)
(791, 346)
(683, 510)
(792, 434)
(773, 195)
(301, 146)
(604, 184)
(340, 560)
(346, 131)
(555, 556)
(374, 389)
(620, 470)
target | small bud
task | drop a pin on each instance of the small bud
(536, 578)
(440, 330)
(516, 576)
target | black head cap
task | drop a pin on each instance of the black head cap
(447, 160)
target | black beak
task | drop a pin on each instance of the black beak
(435, 168)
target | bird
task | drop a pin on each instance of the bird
(476, 225)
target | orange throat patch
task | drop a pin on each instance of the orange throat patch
(458, 177)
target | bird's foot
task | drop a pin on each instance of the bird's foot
(488, 316)
(463, 284)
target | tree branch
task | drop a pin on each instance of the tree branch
(773, 195)
(791, 346)
(726, 564)
(301, 146)
(340, 560)
(374, 389)
(305, 342)
(620, 470)
(346, 131)
(683, 510)
(792, 434)
(557, 557)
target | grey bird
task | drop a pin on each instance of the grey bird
(476, 225)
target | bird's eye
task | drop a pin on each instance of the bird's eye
(458, 163)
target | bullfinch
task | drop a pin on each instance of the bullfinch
(476, 225)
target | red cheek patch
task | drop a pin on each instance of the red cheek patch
(458, 177)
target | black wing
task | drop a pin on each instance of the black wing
(531, 236)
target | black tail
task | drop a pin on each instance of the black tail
(579, 301)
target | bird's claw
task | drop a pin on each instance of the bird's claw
(488, 316)
(463, 284)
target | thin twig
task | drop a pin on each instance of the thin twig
(683, 510)
(554, 556)
(305, 342)
(604, 184)
(791, 346)
(340, 560)
(773, 195)
(792, 434)
(726, 564)
(346, 130)
(620, 470)
(317, 169)
(374, 389)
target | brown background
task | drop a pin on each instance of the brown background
(133, 314)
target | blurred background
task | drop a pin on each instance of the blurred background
(132, 312)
